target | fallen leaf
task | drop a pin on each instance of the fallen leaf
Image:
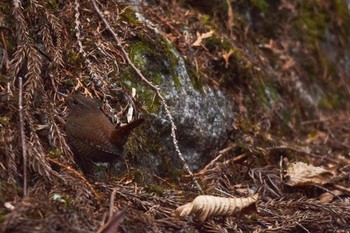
(288, 64)
(271, 46)
(201, 37)
(329, 196)
(205, 206)
(227, 56)
(302, 174)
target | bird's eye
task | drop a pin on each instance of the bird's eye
(75, 102)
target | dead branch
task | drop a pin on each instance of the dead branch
(221, 153)
(111, 202)
(113, 222)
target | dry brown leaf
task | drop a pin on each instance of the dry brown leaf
(205, 206)
(329, 196)
(201, 37)
(226, 56)
(171, 37)
(302, 174)
(288, 64)
(271, 46)
(316, 137)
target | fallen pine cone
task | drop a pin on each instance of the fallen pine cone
(205, 206)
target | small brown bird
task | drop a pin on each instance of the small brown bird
(92, 136)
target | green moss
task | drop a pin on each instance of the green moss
(342, 17)
(286, 117)
(2, 216)
(341, 9)
(155, 189)
(172, 172)
(9, 191)
(5, 7)
(169, 50)
(73, 57)
(204, 19)
(128, 15)
(212, 43)
(7, 22)
(238, 69)
(3, 78)
(177, 82)
(55, 153)
(138, 53)
(52, 4)
(195, 78)
(4, 120)
(312, 134)
(245, 125)
(139, 175)
(146, 95)
(312, 21)
(267, 94)
(154, 56)
(262, 5)
(254, 218)
(330, 102)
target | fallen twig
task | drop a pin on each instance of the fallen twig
(111, 203)
(221, 153)
(112, 224)
(114, 219)
(164, 181)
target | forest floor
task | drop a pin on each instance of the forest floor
(291, 149)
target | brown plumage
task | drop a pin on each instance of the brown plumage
(91, 135)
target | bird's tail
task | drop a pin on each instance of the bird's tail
(121, 133)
